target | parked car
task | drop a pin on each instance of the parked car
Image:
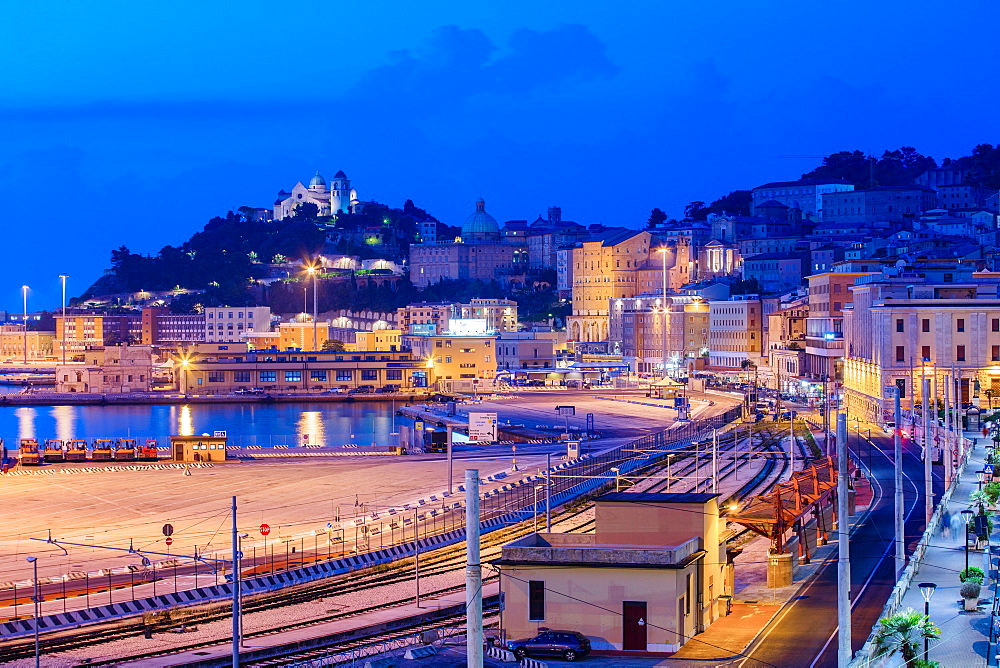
(570, 645)
(535, 383)
(362, 389)
(338, 390)
(250, 390)
(387, 389)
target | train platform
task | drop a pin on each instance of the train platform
(305, 637)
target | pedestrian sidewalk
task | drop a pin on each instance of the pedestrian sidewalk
(964, 635)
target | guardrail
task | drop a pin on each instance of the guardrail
(864, 658)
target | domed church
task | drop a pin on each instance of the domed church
(478, 253)
(336, 198)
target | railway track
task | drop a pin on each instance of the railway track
(436, 562)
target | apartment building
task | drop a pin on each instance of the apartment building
(230, 324)
(829, 294)
(737, 332)
(638, 326)
(910, 322)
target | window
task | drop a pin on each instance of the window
(996, 325)
(345, 374)
(925, 353)
(900, 354)
(447, 360)
(317, 375)
(960, 354)
(995, 353)
(960, 325)
(925, 324)
(369, 374)
(536, 600)
(394, 374)
(241, 376)
(268, 376)
(899, 325)
(293, 376)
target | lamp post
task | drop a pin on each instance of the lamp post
(63, 278)
(312, 272)
(534, 527)
(24, 294)
(36, 600)
(927, 591)
(968, 516)
(618, 480)
(663, 304)
(979, 476)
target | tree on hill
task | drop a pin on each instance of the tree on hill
(656, 218)
(696, 211)
(895, 168)
(736, 203)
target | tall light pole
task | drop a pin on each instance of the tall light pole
(35, 599)
(24, 294)
(844, 651)
(927, 591)
(315, 277)
(897, 462)
(663, 322)
(63, 278)
(928, 481)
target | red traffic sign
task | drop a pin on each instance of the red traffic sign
(264, 529)
(169, 541)
(168, 529)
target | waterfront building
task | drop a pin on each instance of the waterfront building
(652, 575)
(462, 357)
(529, 350)
(337, 197)
(108, 370)
(231, 324)
(78, 332)
(41, 345)
(164, 329)
(302, 335)
(379, 340)
(432, 317)
(224, 368)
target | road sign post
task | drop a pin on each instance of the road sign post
(265, 529)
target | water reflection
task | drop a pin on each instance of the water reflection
(264, 425)
(25, 422)
(185, 422)
(65, 417)
(310, 428)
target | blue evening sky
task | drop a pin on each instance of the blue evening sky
(134, 122)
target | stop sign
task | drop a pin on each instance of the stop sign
(264, 529)
(169, 541)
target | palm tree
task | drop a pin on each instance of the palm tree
(902, 633)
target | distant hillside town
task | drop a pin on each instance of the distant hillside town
(849, 277)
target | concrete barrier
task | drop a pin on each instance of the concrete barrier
(419, 652)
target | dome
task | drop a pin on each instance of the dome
(340, 174)
(480, 226)
(317, 180)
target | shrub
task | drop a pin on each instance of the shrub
(970, 590)
(972, 574)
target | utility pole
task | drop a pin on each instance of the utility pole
(451, 476)
(236, 592)
(416, 557)
(548, 492)
(843, 550)
(315, 275)
(897, 461)
(715, 461)
(63, 277)
(928, 482)
(473, 574)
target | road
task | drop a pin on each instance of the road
(872, 563)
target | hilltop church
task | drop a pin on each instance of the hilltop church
(336, 198)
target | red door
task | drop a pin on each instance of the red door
(634, 625)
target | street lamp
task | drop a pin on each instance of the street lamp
(311, 269)
(663, 322)
(35, 599)
(980, 475)
(24, 293)
(927, 590)
(618, 480)
(968, 516)
(63, 277)
(534, 527)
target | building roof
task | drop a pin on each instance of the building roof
(804, 182)
(317, 180)
(340, 174)
(480, 226)
(772, 204)
(657, 497)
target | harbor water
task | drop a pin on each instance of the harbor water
(265, 425)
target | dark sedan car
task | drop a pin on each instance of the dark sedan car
(570, 645)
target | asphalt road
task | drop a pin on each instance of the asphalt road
(791, 640)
